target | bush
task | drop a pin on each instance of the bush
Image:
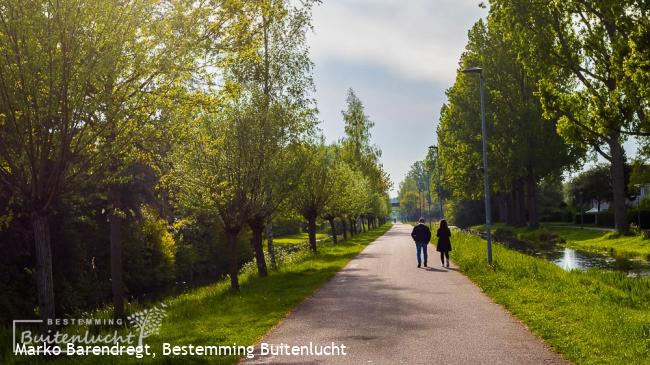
(149, 251)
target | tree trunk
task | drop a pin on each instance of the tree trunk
(533, 219)
(233, 259)
(43, 252)
(520, 208)
(617, 171)
(311, 228)
(511, 205)
(503, 208)
(257, 230)
(352, 228)
(117, 282)
(333, 225)
(269, 237)
(344, 229)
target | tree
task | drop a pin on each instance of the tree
(523, 145)
(280, 74)
(213, 168)
(593, 184)
(317, 186)
(577, 50)
(57, 60)
(358, 151)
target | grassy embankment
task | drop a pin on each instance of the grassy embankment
(213, 315)
(298, 238)
(580, 238)
(593, 317)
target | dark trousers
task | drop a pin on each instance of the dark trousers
(444, 254)
(421, 247)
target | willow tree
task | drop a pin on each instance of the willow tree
(58, 60)
(142, 98)
(318, 186)
(277, 68)
(577, 49)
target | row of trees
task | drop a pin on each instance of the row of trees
(562, 78)
(189, 122)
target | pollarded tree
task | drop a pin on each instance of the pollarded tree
(276, 69)
(213, 170)
(56, 60)
(318, 186)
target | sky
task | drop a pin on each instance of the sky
(399, 57)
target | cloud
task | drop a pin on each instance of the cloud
(415, 39)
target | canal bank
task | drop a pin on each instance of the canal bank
(593, 316)
(577, 248)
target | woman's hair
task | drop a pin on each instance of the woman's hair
(443, 223)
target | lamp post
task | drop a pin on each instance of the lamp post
(486, 181)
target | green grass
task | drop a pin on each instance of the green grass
(582, 238)
(213, 315)
(297, 238)
(593, 317)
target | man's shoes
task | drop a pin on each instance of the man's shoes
(418, 265)
(447, 264)
(425, 265)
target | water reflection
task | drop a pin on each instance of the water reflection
(572, 259)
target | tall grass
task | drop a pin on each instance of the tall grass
(593, 317)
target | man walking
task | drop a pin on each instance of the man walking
(421, 235)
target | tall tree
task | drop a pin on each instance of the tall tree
(57, 58)
(577, 50)
(523, 145)
(281, 71)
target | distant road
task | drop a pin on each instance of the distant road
(387, 311)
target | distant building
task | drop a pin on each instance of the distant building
(394, 208)
(644, 193)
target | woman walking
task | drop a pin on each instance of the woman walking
(444, 242)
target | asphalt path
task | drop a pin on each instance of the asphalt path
(385, 310)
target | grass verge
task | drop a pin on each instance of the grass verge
(213, 315)
(593, 317)
(298, 238)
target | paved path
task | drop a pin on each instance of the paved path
(387, 311)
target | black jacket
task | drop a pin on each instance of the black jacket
(421, 233)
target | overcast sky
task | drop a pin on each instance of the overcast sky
(400, 57)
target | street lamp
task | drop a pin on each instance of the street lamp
(486, 181)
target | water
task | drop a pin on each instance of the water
(572, 259)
